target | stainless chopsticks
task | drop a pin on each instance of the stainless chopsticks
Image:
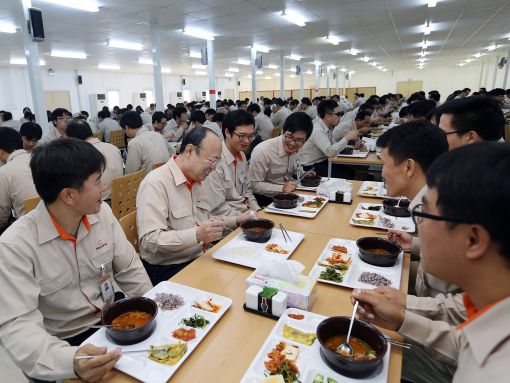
(284, 233)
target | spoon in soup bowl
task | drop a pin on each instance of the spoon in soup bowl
(345, 349)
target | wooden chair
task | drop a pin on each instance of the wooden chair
(117, 139)
(31, 204)
(99, 136)
(128, 224)
(157, 165)
(276, 132)
(124, 191)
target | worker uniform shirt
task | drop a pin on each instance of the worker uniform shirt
(211, 125)
(278, 119)
(481, 345)
(172, 127)
(146, 149)
(169, 208)
(114, 167)
(343, 128)
(228, 189)
(320, 146)
(53, 134)
(443, 307)
(14, 124)
(16, 185)
(50, 283)
(107, 126)
(312, 112)
(269, 165)
(263, 126)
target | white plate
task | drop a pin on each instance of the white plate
(139, 365)
(372, 189)
(355, 154)
(296, 211)
(309, 361)
(251, 254)
(331, 183)
(382, 220)
(357, 267)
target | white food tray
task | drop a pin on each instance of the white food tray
(297, 211)
(138, 365)
(331, 183)
(309, 361)
(251, 254)
(350, 278)
(356, 154)
(382, 220)
(372, 189)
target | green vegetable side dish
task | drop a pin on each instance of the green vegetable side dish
(319, 378)
(288, 373)
(331, 380)
(331, 275)
(372, 208)
(196, 321)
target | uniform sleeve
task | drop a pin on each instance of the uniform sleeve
(321, 140)
(447, 308)
(134, 159)
(216, 193)
(277, 117)
(259, 166)
(171, 149)
(5, 201)
(22, 332)
(340, 131)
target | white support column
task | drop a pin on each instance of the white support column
(336, 81)
(210, 70)
(316, 84)
(495, 74)
(481, 75)
(327, 82)
(302, 79)
(156, 66)
(253, 74)
(33, 67)
(343, 75)
(505, 78)
(282, 76)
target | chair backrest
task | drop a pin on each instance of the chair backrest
(128, 224)
(124, 191)
(276, 132)
(117, 139)
(31, 203)
(158, 164)
(99, 135)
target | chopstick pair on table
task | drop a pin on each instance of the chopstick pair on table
(284, 233)
(82, 357)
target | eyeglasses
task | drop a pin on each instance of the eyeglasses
(456, 131)
(418, 216)
(297, 141)
(244, 137)
(212, 161)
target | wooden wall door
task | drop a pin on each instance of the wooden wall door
(407, 88)
(57, 99)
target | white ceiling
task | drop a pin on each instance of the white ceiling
(388, 31)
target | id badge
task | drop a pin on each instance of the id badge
(107, 291)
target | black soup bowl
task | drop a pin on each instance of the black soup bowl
(285, 200)
(311, 181)
(395, 208)
(135, 335)
(258, 229)
(371, 251)
(335, 326)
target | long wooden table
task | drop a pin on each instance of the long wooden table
(370, 160)
(228, 350)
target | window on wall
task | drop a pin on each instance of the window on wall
(113, 98)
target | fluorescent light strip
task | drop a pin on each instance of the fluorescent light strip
(316, 62)
(294, 18)
(295, 57)
(198, 66)
(68, 54)
(233, 69)
(229, 74)
(259, 72)
(353, 52)
(492, 47)
(144, 61)
(308, 72)
(343, 70)
(261, 48)
(243, 62)
(82, 5)
(268, 78)
(121, 44)
(333, 40)
(196, 55)
(271, 66)
(432, 3)
(166, 70)
(198, 34)
(365, 59)
(23, 61)
(200, 73)
(7, 28)
(108, 66)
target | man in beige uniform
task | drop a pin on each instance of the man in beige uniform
(177, 126)
(113, 168)
(275, 161)
(16, 183)
(361, 124)
(463, 243)
(173, 216)
(106, 124)
(263, 125)
(279, 113)
(60, 117)
(146, 147)
(50, 267)
(228, 189)
(306, 106)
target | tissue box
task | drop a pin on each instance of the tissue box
(301, 295)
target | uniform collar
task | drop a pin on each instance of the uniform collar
(418, 198)
(93, 140)
(15, 154)
(229, 157)
(179, 177)
(142, 129)
(487, 328)
(323, 124)
(281, 149)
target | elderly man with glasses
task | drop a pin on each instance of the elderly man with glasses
(274, 161)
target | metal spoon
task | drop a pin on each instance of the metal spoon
(345, 349)
(127, 325)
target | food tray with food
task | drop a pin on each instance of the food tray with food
(372, 215)
(372, 189)
(356, 153)
(292, 350)
(330, 183)
(185, 317)
(308, 207)
(339, 264)
(251, 254)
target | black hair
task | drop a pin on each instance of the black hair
(493, 93)
(158, 116)
(79, 128)
(10, 140)
(235, 119)
(466, 90)
(362, 114)
(372, 101)
(29, 116)
(326, 107)
(298, 122)
(195, 137)
(131, 120)
(104, 114)
(253, 108)
(84, 113)
(197, 116)
(218, 117)
(366, 106)
(306, 100)
(279, 101)
(481, 114)
(317, 98)
(419, 140)
(422, 109)
(31, 131)
(210, 112)
(294, 102)
(63, 163)
(416, 97)
(129, 106)
(435, 95)
(459, 197)
(404, 112)
(59, 112)
(176, 113)
(7, 116)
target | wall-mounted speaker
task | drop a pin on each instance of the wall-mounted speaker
(203, 59)
(258, 60)
(80, 79)
(183, 81)
(35, 24)
(239, 83)
(219, 93)
(298, 70)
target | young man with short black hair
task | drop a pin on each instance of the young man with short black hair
(361, 124)
(51, 263)
(263, 125)
(279, 113)
(159, 121)
(177, 126)
(60, 117)
(30, 133)
(106, 124)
